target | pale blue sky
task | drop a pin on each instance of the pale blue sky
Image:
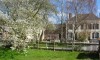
(98, 3)
(57, 4)
(98, 6)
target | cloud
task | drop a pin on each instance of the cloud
(52, 19)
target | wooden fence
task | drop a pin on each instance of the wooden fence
(78, 46)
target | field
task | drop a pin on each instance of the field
(35, 54)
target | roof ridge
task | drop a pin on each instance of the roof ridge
(89, 16)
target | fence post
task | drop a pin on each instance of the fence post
(47, 45)
(99, 50)
(54, 45)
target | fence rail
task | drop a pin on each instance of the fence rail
(79, 46)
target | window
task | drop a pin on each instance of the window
(82, 26)
(96, 26)
(70, 35)
(0, 36)
(70, 26)
(95, 35)
(89, 26)
(93, 26)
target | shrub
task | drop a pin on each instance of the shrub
(82, 36)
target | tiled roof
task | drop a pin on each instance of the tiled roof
(85, 17)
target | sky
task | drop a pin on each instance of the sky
(54, 20)
(98, 6)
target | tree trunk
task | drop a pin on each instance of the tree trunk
(73, 42)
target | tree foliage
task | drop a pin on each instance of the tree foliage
(82, 36)
(27, 19)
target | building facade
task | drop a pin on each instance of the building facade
(85, 22)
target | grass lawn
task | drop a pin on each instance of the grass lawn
(48, 55)
(34, 54)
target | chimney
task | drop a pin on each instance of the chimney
(99, 15)
(70, 15)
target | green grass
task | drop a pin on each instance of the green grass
(35, 54)
(48, 55)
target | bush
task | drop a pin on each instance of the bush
(82, 36)
(6, 53)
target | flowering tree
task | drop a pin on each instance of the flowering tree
(27, 20)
